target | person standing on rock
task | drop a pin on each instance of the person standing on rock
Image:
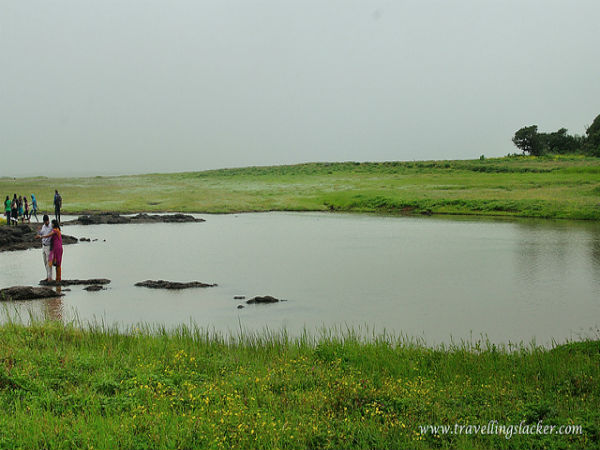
(57, 205)
(7, 210)
(14, 209)
(34, 208)
(46, 241)
(56, 250)
(21, 208)
(25, 209)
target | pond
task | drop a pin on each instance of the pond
(433, 279)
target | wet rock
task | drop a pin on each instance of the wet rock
(239, 297)
(115, 218)
(22, 237)
(98, 219)
(89, 282)
(162, 284)
(27, 293)
(94, 288)
(264, 299)
(167, 218)
(83, 239)
(240, 306)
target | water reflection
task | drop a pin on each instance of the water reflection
(555, 246)
(54, 308)
(595, 253)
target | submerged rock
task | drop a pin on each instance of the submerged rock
(162, 284)
(22, 237)
(84, 239)
(115, 218)
(264, 299)
(239, 297)
(27, 293)
(240, 306)
(94, 288)
(91, 281)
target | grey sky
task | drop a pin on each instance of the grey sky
(110, 87)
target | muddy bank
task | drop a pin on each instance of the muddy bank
(96, 281)
(22, 237)
(27, 293)
(118, 219)
(162, 284)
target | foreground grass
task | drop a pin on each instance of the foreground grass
(63, 387)
(548, 187)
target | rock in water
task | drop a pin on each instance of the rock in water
(162, 284)
(115, 218)
(101, 281)
(93, 288)
(97, 219)
(265, 299)
(167, 218)
(239, 297)
(27, 293)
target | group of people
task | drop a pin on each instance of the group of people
(19, 208)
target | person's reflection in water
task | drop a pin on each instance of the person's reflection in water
(54, 307)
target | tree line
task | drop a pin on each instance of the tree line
(529, 140)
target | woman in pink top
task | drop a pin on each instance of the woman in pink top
(56, 249)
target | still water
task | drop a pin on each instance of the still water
(438, 280)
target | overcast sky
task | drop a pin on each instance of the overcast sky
(112, 87)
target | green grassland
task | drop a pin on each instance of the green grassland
(547, 187)
(64, 387)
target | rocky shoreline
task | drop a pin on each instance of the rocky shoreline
(118, 219)
(23, 237)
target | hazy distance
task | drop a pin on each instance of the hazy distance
(116, 87)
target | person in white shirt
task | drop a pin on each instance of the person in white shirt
(46, 229)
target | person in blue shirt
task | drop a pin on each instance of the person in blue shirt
(34, 208)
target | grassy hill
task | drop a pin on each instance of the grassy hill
(549, 187)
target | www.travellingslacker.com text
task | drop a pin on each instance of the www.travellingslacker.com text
(493, 427)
